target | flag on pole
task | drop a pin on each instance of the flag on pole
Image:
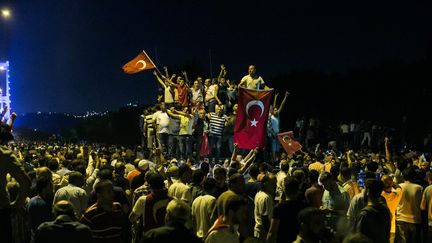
(251, 120)
(290, 145)
(138, 64)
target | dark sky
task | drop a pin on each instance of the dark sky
(67, 55)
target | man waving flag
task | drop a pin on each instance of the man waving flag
(140, 63)
(251, 121)
(286, 139)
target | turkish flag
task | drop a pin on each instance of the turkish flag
(138, 64)
(251, 121)
(290, 145)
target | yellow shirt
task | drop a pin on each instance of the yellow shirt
(318, 166)
(392, 200)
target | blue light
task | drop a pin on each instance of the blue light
(5, 97)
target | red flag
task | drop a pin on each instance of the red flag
(251, 121)
(290, 145)
(138, 64)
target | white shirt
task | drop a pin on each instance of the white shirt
(202, 209)
(75, 195)
(263, 208)
(162, 120)
(168, 96)
(197, 95)
(280, 177)
(181, 191)
(408, 209)
(222, 235)
(140, 205)
(210, 92)
(345, 128)
(252, 83)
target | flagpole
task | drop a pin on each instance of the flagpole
(157, 69)
(156, 54)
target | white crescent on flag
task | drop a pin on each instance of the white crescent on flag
(143, 63)
(252, 103)
(286, 137)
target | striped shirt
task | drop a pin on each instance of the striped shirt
(217, 124)
(105, 226)
(149, 121)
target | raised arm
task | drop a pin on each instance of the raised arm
(223, 72)
(216, 96)
(170, 113)
(159, 79)
(248, 161)
(5, 109)
(283, 102)
(186, 78)
(275, 100)
(348, 155)
(234, 153)
(386, 147)
(166, 71)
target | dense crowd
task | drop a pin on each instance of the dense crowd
(171, 188)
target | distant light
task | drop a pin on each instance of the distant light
(6, 13)
(2, 68)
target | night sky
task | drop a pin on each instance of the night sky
(66, 56)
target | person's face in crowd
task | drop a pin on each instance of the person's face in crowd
(235, 107)
(220, 179)
(239, 157)
(222, 81)
(181, 82)
(275, 111)
(201, 113)
(207, 82)
(104, 162)
(218, 110)
(424, 166)
(196, 84)
(251, 70)
(106, 195)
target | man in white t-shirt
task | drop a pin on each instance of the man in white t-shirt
(161, 119)
(264, 206)
(252, 80)
(180, 190)
(203, 207)
(408, 214)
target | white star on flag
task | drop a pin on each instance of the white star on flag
(254, 123)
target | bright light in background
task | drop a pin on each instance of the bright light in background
(2, 68)
(5, 13)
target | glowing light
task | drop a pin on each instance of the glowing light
(6, 13)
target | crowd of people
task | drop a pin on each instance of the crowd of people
(168, 189)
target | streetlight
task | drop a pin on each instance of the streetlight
(5, 13)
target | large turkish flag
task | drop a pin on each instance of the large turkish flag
(251, 121)
(140, 63)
